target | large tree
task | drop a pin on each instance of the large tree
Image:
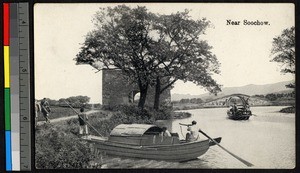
(121, 41)
(150, 49)
(283, 52)
(182, 54)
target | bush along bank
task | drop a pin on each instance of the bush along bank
(57, 148)
(291, 109)
(130, 110)
(181, 115)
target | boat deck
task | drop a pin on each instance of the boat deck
(94, 138)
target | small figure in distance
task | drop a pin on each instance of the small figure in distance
(82, 118)
(46, 109)
(234, 108)
(165, 132)
(192, 134)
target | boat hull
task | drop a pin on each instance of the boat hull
(240, 115)
(175, 153)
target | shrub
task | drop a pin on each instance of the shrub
(131, 110)
(56, 148)
(162, 114)
(291, 109)
(131, 116)
(181, 115)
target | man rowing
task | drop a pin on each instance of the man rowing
(192, 134)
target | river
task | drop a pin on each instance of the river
(267, 140)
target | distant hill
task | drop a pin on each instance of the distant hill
(248, 89)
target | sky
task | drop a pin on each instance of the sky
(242, 50)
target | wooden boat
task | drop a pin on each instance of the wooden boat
(144, 141)
(242, 111)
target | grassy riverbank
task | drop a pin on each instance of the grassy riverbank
(58, 112)
(59, 145)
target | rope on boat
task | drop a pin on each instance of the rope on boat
(84, 120)
(181, 131)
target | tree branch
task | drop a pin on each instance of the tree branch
(168, 85)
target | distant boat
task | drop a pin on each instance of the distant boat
(239, 111)
(144, 141)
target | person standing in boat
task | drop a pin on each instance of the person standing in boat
(165, 132)
(82, 118)
(192, 134)
(234, 108)
(46, 109)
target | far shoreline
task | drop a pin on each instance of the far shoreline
(283, 107)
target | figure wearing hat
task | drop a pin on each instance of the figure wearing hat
(192, 134)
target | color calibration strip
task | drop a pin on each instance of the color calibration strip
(6, 29)
(14, 86)
(17, 86)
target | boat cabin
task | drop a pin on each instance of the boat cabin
(141, 135)
(240, 109)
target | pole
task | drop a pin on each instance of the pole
(83, 119)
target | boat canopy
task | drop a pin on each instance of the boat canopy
(135, 130)
(244, 98)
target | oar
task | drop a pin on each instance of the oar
(235, 156)
(83, 119)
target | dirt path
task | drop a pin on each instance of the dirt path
(72, 117)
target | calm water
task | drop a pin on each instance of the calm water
(267, 140)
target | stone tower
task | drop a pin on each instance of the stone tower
(117, 90)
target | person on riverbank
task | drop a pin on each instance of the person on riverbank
(46, 109)
(37, 110)
(193, 131)
(82, 118)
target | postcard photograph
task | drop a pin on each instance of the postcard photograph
(164, 85)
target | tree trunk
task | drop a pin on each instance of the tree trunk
(159, 91)
(157, 94)
(143, 94)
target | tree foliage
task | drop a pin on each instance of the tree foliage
(283, 51)
(75, 101)
(182, 55)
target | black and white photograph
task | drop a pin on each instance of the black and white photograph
(164, 85)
